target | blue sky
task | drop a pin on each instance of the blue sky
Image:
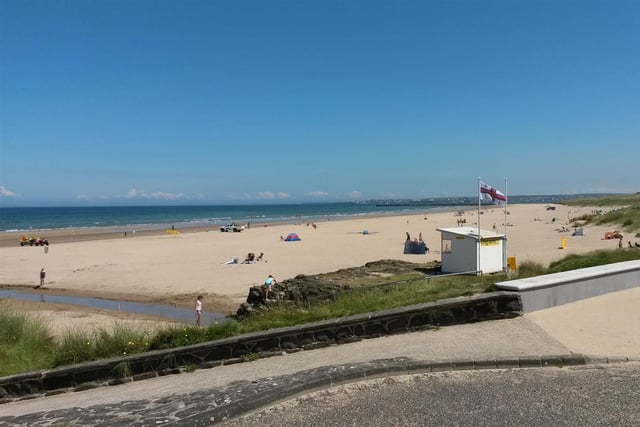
(112, 102)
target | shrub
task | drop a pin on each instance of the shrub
(179, 336)
(122, 339)
(592, 259)
(26, 342)
(75, 346)
(531, 269)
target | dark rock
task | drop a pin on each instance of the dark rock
(306, 290)
(255, 297)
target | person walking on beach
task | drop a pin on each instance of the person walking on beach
(43, 274)
(199, 310)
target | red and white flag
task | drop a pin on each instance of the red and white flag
(487, 192)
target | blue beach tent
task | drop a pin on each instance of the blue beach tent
(292, 237)
(418, 248)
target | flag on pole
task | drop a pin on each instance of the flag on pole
(487, 192)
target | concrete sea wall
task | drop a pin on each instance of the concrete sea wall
(491, 306)
(550, 290)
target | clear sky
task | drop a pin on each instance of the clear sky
(282, 101)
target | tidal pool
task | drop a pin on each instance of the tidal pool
(166, 311)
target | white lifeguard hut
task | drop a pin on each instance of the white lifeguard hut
(468, 249)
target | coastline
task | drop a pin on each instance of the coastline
(155, 266)
(9, 238)
(71, 235)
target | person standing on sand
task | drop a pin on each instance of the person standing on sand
(199, 310)
(43, 274)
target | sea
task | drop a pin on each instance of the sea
(17, 219)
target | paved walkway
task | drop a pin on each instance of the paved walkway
(605, 326)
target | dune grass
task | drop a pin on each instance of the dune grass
(622, 210)
(78, 345)
(593, 259)
(27, 345)
(25, 342)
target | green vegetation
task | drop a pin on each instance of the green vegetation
(251, 357)
(374, 299)
(81, 346)
(25, 342)
(619, 209)
(574, 262)
(592, 259)
(27, 345)
(191, 367)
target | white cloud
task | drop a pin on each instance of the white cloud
(163, 195)
(317, 194)
(268, 195)
(265, 195)
(355, 195)
(82, 197)
(241, 197)
(4, 192)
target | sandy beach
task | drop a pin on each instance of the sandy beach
(175, 268)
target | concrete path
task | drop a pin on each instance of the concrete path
(603, 326)
(608, 324)
(569, 396)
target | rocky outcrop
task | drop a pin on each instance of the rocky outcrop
(307, 290)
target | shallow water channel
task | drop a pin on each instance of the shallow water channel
(166, 311)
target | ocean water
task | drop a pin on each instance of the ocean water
(128, 217)
(140, 217)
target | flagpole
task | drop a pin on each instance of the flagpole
(504, 249)
(479, 242)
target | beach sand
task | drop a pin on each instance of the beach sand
(174, 268)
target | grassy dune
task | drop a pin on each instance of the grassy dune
(620, 210)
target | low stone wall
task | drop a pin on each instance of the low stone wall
(546, 291)
(491, 306)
